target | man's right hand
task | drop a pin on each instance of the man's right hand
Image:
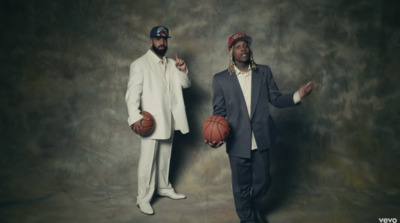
(214, 144)
(137, 128)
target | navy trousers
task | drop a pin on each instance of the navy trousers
(250, 182)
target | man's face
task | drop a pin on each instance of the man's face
(241, 51)
(159, 45)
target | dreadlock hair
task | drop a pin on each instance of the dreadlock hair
(231, 66)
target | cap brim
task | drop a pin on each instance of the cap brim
(160, 36)
(248, 39)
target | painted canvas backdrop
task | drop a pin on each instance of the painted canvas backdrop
(67, 153)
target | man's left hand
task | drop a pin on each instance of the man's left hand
(306, 89)
(180, 64)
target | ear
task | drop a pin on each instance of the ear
(151, 42)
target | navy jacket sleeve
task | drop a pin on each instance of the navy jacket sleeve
(276, 98)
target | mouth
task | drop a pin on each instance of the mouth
(161, 47)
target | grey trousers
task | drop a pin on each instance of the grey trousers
(250, 182)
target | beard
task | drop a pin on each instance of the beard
(158, 51)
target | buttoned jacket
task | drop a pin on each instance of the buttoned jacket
(228, 101)
(160, 94)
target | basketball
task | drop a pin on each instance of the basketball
(215, 128)
(147, 124)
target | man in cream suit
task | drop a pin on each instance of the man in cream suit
(155, 85)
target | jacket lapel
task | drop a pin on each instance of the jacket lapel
(256, 81)
(153, 60)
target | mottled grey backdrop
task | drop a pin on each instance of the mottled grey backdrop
(68, 155)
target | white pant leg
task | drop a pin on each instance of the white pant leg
(163, 165)
(147, 170)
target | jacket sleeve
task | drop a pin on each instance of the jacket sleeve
(184, 79)
(219, 107)
(276, 98)
(133, 93)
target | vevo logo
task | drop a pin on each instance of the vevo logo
(388, 220)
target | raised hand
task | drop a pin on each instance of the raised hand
(306, 89)
(180, 64)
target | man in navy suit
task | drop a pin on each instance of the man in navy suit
(242, 94)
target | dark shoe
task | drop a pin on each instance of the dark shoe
(259, 217)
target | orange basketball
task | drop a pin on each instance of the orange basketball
(215, 128)
(147, 124)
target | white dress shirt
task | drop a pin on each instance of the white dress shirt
(245, 84)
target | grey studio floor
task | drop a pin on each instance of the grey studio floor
(35, 196)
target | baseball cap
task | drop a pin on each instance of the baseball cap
(159, 31)
(238, 36)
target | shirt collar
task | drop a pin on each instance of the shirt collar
(239, 72)
(156, 59)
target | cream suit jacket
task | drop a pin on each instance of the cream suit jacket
(161, 95)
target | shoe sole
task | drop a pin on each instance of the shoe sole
(171, 197)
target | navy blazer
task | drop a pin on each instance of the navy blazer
(228, 101)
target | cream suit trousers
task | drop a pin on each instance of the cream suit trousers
(153, 169)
